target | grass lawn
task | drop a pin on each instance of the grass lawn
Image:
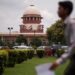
(28, 67)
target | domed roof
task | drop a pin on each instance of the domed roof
(32, 10)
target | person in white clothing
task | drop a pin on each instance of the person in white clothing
(64, 12)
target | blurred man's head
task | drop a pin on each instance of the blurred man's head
(65, 9)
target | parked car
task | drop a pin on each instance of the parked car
(30, 48)
(41, 47)
(64, 47)
(23, 47)
(20, 47)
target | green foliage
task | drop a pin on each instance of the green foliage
(28, 68)
(11, 58)
(30, 54)
(1, 43)
(3, 61)
(21, 39)
(1, 66)
(59, 52)
(56, 32)
(21, 56)
(40, 53)
(36, 42)
(9, 44)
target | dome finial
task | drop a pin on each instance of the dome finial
(31, 5)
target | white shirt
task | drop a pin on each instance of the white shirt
(71, 32)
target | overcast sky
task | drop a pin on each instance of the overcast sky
(11, 12)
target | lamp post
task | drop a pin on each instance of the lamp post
(10, 28)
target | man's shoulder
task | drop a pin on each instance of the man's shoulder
(71, 21)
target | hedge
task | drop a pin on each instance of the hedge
(40, 53)
(9, 58)
(30, 54)
(3, 60)
(21, 55)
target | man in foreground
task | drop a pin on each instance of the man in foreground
(64, 12)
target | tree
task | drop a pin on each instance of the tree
(56, 32)
(21, 39)
(1, 43)
(6, 43)
(36, 42)
(9, 44)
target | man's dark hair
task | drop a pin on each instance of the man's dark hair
(68, 5)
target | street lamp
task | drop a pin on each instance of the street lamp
(10, 28)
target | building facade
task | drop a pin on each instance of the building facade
(31, 27)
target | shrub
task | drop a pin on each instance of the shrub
(3, 60)
(21, 56)
(8, 58)
(59, 52)
(1, 66)
(11, 58)
(30, 54)
(40, 53)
